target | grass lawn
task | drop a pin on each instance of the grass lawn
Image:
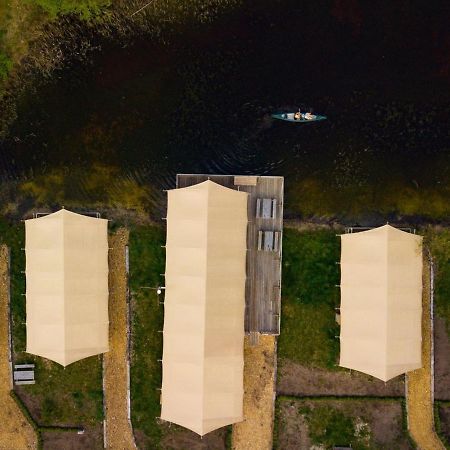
(439, 244)
(146, 264)
(328, 426)
(71, 396)
(309, 297)
(65, 397)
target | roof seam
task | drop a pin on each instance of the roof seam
(386, 346)
(204, 305)
(64, 282)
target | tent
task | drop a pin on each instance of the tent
(381, 302)
(202, 384)
(67, 286)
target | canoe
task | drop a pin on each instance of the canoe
(289, 117)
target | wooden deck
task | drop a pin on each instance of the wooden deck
(263, 287)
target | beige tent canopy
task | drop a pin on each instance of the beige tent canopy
(381, 302)
(202, 385)
(67, 286)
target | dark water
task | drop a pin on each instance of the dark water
(142, 111)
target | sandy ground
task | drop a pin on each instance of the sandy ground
(418, 396)
(119, 434)
(255, 432)
(297, 380)
(15, 431)
(384, 419)
(441, 360)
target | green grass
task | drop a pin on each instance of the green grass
(13, 235)
(309, 297)
(439, 244)
(85, 8)
(329, 426)
(71, 396)
(146, 265)
(317, 197)
(22, 22)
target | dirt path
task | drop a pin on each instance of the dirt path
(419, 396)
(119, 434)
(255, 432)
(15, 431)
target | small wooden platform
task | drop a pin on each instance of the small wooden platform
(264, 245)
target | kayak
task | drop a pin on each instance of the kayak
(289, 117)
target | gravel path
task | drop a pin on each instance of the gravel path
(15, 431)
(419, 396)
(255, 432)
(119, 434)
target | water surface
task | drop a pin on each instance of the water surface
(142, 110)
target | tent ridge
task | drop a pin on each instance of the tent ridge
(67, 284)
(192, 387)
(386, 298)
(63, 214)
(205, 287)
(381, 271)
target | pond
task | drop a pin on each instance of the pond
(115, 130)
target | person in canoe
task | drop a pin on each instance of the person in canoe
(309, 115)
(298, 115)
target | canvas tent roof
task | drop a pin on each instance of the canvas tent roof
(381, 302)
(67, 286)
(202, 385)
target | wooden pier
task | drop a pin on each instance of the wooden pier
(264, 246)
